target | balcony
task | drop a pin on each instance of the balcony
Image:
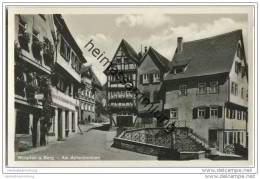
(61, 99)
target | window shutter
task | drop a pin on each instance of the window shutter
(207, 112)
(195, 113)
(167, 113)
(161, 76)
(141, 79)
(151, 77)
(220, 112)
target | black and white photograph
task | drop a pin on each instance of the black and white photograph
(130, 84)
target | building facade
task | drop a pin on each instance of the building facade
(122, 103)
(151, 71)
(66, 82)
(87, 96)
(206, 89)
(34, 49)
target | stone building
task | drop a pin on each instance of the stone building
(34, 55)
(206, 89)
(122, 103)
(151, 72)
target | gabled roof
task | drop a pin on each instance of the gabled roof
(130, 52)
(64, 30)
(206, 56)
(158, 59)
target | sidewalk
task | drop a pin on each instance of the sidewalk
(84, 128)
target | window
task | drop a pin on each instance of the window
(201, 112)
(239, 50)
(183, 90)
(238, 137)
(174, 113)
(225, 137)
(230, 137)
(228, 114)
(244, 115)
(73, 60)
(214, 112)
(145, 78)
(65, 49)
(239, 115)
(178, 70)
(214, 87)
(156, 77)
(23, 35)
(73, 122)
(234, 88)
(202, 88)
(68, 52)
(62, 47)
(237, 67)
(61, 85)
(233, 113)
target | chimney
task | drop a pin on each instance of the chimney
(180, 45)
(145, 49)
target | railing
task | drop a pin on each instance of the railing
(153, 136)
(198, 139)
(180, 123)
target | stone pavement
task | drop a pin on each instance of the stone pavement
(92, 145)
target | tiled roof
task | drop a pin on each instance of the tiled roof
(91, 74)
(159, 59)
(206, 56)
(129, 50)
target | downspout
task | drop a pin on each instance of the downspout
(228, 99)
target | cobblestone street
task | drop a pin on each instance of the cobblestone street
(92, 145)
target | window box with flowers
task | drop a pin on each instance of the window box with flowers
(23, 37)
(37, 47)
(48, 52)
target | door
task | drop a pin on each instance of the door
(213, 138)
(59, 124)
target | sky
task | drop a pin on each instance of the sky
(157, 30)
